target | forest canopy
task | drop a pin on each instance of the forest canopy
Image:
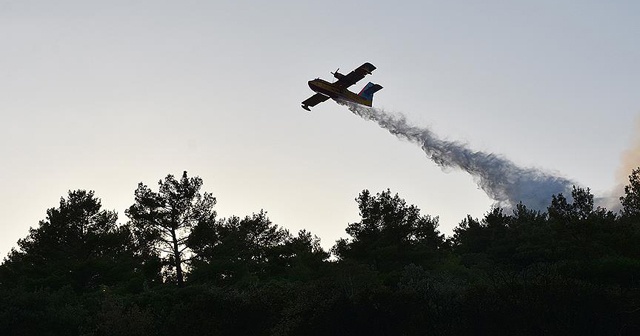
(175, 267)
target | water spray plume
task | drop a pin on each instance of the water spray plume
(501, 179)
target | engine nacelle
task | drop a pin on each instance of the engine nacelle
(336, 74)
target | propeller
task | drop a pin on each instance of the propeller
(336, 74)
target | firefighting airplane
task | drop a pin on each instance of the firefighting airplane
(338, 89)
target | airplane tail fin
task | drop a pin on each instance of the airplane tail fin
(368, 91)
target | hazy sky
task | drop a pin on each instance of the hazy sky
(103, 95)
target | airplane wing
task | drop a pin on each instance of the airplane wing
(314, 100)
(355, 75)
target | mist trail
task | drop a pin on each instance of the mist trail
(501, 179)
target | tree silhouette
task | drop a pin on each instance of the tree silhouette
(243, 250)
(631, 199)
(572, 270)
(390, 234)
(78, 245)
(162, 221)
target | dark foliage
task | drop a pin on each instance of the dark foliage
(78, 245)
(572, 270)
(162, 221)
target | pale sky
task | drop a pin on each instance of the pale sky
(103, 95)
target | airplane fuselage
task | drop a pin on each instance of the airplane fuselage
(334, 92)
(338, 89)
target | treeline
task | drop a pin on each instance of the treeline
(176, 268)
